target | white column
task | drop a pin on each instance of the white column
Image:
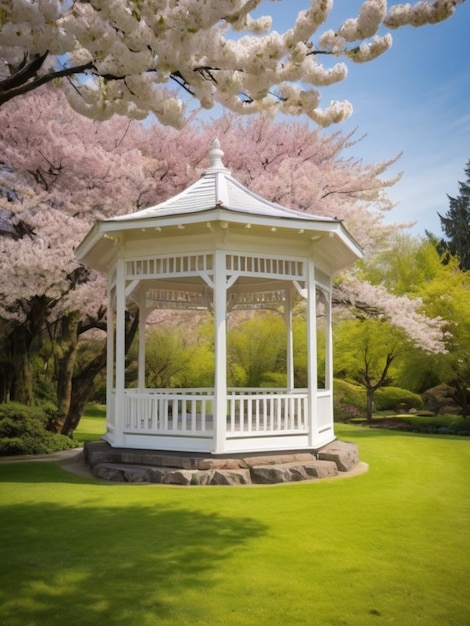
(142, 321)
(312, 354)
(329, 346)
(220, 329)
(119, 410)
(329, 359)
(290, 339)
(110, 381)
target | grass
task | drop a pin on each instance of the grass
(92, 424)
(388, 547)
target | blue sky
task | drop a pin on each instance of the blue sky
(414, 99)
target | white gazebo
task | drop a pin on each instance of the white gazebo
(220, 247)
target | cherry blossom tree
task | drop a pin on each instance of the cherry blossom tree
(304, 169)
(132, 58)
(60, 171)
(38, 271)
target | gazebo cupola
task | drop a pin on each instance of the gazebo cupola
(218, 246)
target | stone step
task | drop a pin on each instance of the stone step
(122, 472)
(292, 472)
(177, 468)
(259, 474)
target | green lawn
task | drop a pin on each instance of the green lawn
(388, 547)
(92, 424)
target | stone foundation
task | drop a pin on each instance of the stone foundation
(180, 468)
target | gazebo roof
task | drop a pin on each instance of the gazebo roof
(218, 188)
(218, 197)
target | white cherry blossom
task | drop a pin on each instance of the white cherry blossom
(122, 56)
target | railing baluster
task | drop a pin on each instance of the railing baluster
(165, 413)
(203, 415)
(183, 415)
(242, 413)
(231, 412)
(193, 414)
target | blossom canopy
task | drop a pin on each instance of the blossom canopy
(122, 56)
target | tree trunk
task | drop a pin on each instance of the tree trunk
(370, 403)
(66, 361)
(461, 396)
(82, 387)
(5, 370)
(21, 389)
(83, 383)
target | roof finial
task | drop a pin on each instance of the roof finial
(215, 155)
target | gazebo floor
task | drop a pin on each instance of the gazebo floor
(189, 468)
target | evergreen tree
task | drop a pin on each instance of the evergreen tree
(456, 224)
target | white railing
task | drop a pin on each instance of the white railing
(169, 411)
(266, 411)
(324, 409)
(189, 412)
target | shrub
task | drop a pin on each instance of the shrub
(397, 399)
(349, 400)
(273, 379)
(440, 425)
(15, 410)
(11, 446)
(438, 400)
(11, 428)
(23, 430)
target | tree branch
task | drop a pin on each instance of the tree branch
(21, 82)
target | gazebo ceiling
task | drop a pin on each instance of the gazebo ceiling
(218, 203)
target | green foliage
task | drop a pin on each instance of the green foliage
(257, 347)
(396, 399)
(165, 357)
(199, 371)
(413, 266)
(362, 348)
(16, 410)
(440, 401)
(349, 400)
(23, 430)
(404, 267)
(273, 379)
(299, 328)
(175, 356)
(439, 425)
(419, 370)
